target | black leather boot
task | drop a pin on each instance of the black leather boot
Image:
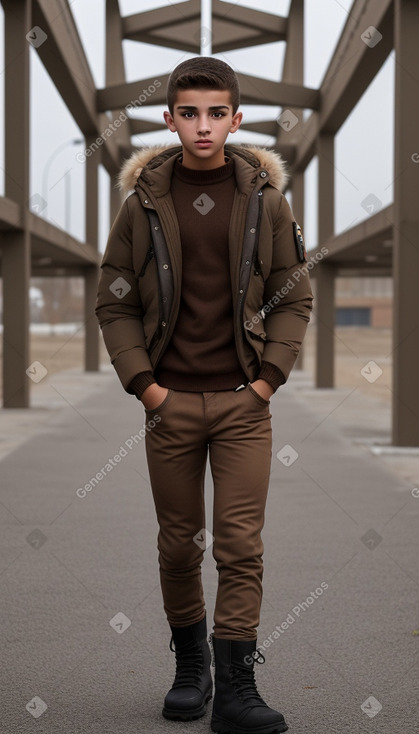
(238, 708)
(192, 687)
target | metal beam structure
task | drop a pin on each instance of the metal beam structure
(369, 239)
(325, 278)
(253, 90)
(352, 68)
(16, 241)
(384, 244)
(178, 26)
(406, 228)
(293, 72)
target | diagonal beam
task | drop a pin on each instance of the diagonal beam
(141, 24)
(352, 68)
(118, 96)
(226, 37)
(155, 20)
(247, 17)
(265, 127)
(65, 61)
(253, 90)
(62, 244)
(178, 26)
(138, 127)
(371, 232)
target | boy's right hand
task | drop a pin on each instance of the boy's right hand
(153, 396)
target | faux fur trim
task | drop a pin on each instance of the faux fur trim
(131, 169)
(268, 159)
(274, 164)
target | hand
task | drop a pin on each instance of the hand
(153, 396)
(263, 388)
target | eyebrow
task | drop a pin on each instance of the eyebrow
(191, 107)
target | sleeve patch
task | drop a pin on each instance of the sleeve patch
(299, 243)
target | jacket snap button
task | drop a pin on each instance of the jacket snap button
(156, 227)
(263, 174)
(253, 230)
(165, 266)
(241, 290)
(163, 323)
(145, 201)
(260, 193)
(247, 262)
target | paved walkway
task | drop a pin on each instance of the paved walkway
(84, 640)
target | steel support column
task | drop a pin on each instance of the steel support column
(325, 313)
(16, 250)
(406, 228)
(325, 290)
(293, 71)
(91, 350)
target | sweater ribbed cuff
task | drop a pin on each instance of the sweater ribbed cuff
(140, 383)
(272, 374)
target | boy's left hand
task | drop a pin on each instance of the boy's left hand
(263, 388)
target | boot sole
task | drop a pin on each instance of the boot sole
(219, 726)
(191, 715)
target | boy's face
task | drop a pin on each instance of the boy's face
(203, 118)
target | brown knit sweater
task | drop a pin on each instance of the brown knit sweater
(201, 355)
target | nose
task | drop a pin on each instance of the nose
(203, 125)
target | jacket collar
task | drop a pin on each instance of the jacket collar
(154, 166)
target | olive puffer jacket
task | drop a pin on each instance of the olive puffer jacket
(140, 285)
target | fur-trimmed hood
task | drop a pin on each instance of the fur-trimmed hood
(152, 156)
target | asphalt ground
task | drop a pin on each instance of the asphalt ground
(84, 639)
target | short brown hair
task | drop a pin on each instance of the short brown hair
(203, 72)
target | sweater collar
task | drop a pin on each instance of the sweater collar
(203, 177)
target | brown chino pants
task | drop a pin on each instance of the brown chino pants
(236, 429)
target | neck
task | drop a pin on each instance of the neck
(203, 164)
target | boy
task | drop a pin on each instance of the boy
(206, 241)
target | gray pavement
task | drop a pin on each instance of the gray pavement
(83, 631)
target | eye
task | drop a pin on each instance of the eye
(185, 114)
(221, 114)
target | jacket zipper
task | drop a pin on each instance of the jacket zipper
(148, 258)
(255, 250)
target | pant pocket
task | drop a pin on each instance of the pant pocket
(163, 404)
(256, 395)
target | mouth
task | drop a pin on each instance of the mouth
(203, 143)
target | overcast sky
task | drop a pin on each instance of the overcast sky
(364, 145)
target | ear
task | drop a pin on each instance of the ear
(236, 122)
(169, 121)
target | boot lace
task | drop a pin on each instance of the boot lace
(189, 664)
(243, 680)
